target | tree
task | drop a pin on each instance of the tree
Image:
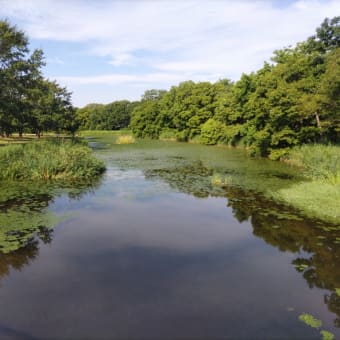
(19, 72)
(27, 100)
(327, 36)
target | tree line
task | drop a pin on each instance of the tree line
(28, 101)
(292, 100)
(113, 116)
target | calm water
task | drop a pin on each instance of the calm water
(155, 249)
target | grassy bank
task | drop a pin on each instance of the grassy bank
(47, 160)
(318, 162)
(319, 195)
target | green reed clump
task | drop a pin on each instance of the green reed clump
(125, 139)
(320, 162)
(48, 160)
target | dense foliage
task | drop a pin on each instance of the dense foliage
(293, 100)
(28, 101)
(33, 161)
(113, 116)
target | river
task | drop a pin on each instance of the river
(175, 241)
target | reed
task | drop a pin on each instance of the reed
(125, 139)
(47, 160)
(319, 162)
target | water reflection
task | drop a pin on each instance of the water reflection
(315, 244)
(142, 260)
(24, 256)
(24, 213)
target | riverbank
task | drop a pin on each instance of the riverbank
(49, 160)
(319, 195)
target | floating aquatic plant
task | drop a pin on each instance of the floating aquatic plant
(327, 335)
(309, 320)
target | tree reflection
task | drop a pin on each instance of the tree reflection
(24, 213)
(279, 225)
(19, 258)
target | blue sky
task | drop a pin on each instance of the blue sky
(109, 50)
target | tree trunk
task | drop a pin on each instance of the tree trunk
(318, 124)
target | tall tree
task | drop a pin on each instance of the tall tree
(19, 72)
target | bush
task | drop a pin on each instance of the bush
(212, 132)
(278, 154)
(48, 160)
(168, 134)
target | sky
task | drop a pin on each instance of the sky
(109, 50)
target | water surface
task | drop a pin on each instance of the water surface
(158, 249)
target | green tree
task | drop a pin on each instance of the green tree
(19, 72)
(27, 100)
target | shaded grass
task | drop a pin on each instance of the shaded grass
(104, 133)
(314, 198)
(30, 137)
(48, 160)
(319, 195)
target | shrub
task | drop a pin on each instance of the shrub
(212, 132)
(168, 134)
(48, 160)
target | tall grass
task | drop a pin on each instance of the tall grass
(48, 160)
(125, 139)
(319, 162)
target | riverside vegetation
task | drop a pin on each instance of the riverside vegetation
(29, 103)
(48, 160)
(291, 101)
(288, 110)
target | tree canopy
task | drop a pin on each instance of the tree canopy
(113, 116)
(28, 101)
(292, 100)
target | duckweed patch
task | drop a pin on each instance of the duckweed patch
(310, 320)
(327, 335)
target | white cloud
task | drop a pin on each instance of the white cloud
(173, 39)
(55, 60)
(146, 78)
(121, 59)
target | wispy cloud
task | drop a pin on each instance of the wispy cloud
(55, 60)
(164, 41)
(126, 79)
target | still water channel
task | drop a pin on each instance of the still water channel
(158, 248)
